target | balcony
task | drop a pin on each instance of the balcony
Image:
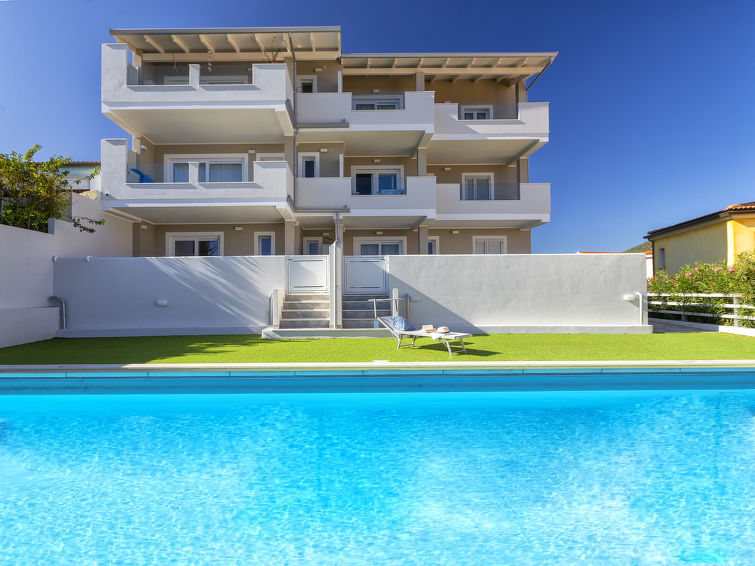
(180, 103)
(148, 192)
(370, 124)
(412, 196)
(496, 140)
(517, 205)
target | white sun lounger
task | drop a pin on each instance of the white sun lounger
(444, 337)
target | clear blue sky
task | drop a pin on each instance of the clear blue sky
(652, 102)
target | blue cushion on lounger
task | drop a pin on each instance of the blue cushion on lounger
(143, 177)
(399, 323)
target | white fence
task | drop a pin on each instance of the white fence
(703, 305)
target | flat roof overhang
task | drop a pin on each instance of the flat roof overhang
(476, 151)
(503, 221)
(243, 43)
(204, 124)
(398, 142)
(200, 213)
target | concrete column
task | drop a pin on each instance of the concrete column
(340, 80)
(194, 75)
(419, 82)
(421, 162)
(193, 172)
(289, 237)
(422, 240)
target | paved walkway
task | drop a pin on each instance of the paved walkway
(667, 326)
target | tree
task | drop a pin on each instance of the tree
(32, 192)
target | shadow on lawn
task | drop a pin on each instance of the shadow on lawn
(456, 349)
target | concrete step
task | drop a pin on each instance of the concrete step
(306, 305)
(360, 323)
(298, 297)
(305, 323)
(299, 314)
(309, 333)
(364, 314)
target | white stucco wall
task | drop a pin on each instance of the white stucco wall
(205, 295)
(26, 269)
(523, 293)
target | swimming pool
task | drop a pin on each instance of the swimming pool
(465, 477)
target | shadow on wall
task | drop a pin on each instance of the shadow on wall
(169, 292)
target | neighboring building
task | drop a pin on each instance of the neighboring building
(718, 236)
(272, 141)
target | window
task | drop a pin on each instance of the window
(307, 83)
(212, 168)
(477, 186)
(378, 181)
(433, 243)
(309, 165)
(484, 245)
(380, 246)
(197, 244)
(264, 243)
(312, 246)
(376, 102)
(662, 258)
(476, 112)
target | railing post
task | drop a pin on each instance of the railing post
(735, 302)
(193, 172)
(194, 75)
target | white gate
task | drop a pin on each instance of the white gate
(365, 274)
(307, 273)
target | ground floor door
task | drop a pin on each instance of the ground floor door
(365, 274)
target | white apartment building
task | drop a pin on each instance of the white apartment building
(269, 141)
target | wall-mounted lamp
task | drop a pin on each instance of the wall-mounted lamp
(143, 227)
(161, 303)
(455, 232)
(323, 150)
(378, 233)
(55, 259)
(376, 161)
(319, 69)
(326, 233)
(375, 90)
(238, 228)
(89, 259)
(446, 169)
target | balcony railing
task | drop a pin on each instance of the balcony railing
(531, 200)
(495, 191)
(190, 171)
(410, 194)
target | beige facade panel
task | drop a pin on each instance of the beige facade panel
(151, 241)
(517, 241)
(383, 84)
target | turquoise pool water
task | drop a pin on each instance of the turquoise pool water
(621, 477)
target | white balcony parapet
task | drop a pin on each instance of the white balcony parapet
(531, 122)
(534, 203)
(334, 109)
(336, 193)
(272, 182)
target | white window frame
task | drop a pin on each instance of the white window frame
(314, 154)
(171, 237)
(299, 78)
(170, 159)
(481, 174)
(309, 239)
(277, 156)
(257, 242)
(375, 169)
(505, 239)
(376, 100)
(436, 240)
(359, 240)
(475, 108)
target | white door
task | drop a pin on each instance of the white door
(307, 274)
(365, 275)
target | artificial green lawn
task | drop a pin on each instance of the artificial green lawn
(495, 347)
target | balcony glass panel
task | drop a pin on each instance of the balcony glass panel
(158, 74)
(178, 170)
(226, 74)
(483, 189)
(377, 102)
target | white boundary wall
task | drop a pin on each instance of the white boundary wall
(26, 269)
(524, 293)
(142, 296)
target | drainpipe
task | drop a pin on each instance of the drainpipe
(62, 310)
(294, 165)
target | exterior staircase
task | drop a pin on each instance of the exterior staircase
(358, 310)
(305, 311)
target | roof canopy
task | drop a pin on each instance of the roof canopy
(511, 66)
(232, 43)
